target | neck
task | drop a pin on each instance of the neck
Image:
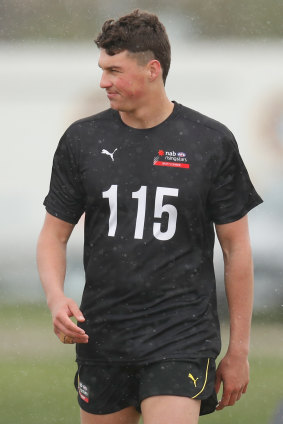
(152, 112)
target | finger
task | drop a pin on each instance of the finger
(229, 399)
(70, 340)
(220, 405)
(64, 317)
(66, 339)
(218, 380)
(66, 326)
(75, 311)
(245, 388)
(81, 340)
(72, 327)
(233, 398)
(239, 395)
(224, 401)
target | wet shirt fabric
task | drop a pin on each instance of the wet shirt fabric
(151, 198)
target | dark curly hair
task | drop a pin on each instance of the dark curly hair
(137, 32)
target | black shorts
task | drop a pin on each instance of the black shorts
(104, 389)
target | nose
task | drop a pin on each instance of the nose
(105, 81)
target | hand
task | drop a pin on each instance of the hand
(62, 309)
(233, 373)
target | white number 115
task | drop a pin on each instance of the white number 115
(159, 209)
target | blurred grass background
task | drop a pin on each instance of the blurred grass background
(37, 372)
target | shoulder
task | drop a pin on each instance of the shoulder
(206, 126)
(88, 128)
(93, 120)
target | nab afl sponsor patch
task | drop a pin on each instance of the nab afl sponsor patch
(171, 158)
(83, 392)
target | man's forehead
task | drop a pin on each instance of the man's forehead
(106, 60)
(124, 58)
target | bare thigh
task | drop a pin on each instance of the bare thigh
(125, 416)
(170, 410)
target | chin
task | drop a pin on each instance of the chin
(113, 106)
(118, 107)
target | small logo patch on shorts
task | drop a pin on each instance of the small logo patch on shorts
(193, 379)
(83, 392)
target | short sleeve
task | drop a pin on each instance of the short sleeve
(232, 194)
(65, 199)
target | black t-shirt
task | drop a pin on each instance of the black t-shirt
(150, 198)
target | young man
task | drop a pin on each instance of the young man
(153, 177)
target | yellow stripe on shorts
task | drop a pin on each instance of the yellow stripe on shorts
(205, 380)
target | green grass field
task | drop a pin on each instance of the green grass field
(37, 373)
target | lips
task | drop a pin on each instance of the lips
(111, 94)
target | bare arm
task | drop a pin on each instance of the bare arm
(233, 370)
(51, 260)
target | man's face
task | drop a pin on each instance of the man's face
(124, 80)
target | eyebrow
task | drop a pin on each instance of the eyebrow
(109, 67)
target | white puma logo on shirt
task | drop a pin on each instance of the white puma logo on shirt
(105, 152)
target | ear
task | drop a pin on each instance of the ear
(154, 70)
